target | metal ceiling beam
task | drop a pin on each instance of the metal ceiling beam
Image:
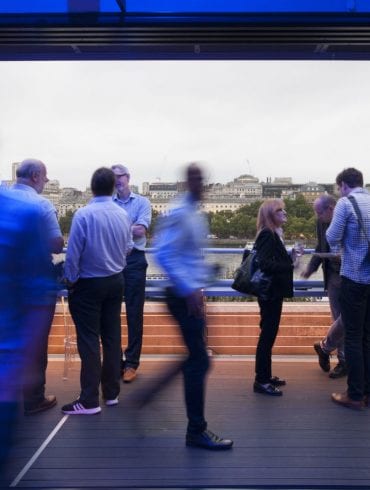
(122, 36)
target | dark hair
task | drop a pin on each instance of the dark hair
(350, 176)
(103, 182)
(326, 201)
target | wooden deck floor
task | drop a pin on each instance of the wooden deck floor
(301, 440)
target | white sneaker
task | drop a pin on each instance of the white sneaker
(111, 403)
(76, 408)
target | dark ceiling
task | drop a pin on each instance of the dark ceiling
(222, 36)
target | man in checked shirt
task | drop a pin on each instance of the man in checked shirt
(347, 231)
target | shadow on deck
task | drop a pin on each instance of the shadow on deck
(301, 440)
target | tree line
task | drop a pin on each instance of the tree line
(241, 224)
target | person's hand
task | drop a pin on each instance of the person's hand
(305, 274)
(195, 304)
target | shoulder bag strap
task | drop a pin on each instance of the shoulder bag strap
(359, 215)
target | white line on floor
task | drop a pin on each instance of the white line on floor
(52, 434)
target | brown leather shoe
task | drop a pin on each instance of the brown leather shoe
(344, 400)
(48, 402)
(129, 374)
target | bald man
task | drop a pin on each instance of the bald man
(31, 179)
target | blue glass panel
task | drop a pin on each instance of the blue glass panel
(175, 6)
(56, 6)
(32, 6)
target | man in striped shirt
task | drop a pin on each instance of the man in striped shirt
(352, 234)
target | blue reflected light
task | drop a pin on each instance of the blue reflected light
(57, 6)
(177, 6)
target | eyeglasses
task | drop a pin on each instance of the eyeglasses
(280, 209)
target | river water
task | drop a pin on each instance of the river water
(229, 262)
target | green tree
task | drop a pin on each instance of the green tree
(65, 222)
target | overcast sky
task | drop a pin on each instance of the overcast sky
(305, 120)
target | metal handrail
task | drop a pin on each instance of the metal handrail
(222, 287)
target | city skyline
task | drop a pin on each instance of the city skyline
(305, 120)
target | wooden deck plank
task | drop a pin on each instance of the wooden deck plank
(301, 439)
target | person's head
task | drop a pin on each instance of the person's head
(194, 180)
(32, 172)
(122, 176)
(348, 179)
(271, 215)
(102, 182)
(324, 207)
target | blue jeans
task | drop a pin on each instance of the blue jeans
(197, 363)
(134, 296)
(355, 310)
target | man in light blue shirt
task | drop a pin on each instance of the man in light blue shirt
(24, 265)
(31, 179)
(99, 240)
(180, 239)
(139, 211)
(351, 233)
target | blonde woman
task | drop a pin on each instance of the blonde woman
(276, 261)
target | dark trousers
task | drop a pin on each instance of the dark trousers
(197, 363)
(95, 306)
(134, 295)
(37, 324)
(270, 311)
(355, 310)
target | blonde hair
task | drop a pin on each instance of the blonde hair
(266, 214)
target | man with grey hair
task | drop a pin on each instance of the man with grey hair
(139, 211)
(31, 179)
(324, 207)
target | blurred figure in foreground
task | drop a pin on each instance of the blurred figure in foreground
(31, 179)
(273, 259)
(24, 280)
(334, 340)
(180, 239)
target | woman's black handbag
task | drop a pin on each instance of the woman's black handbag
(249, 279)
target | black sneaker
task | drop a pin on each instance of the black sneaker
(276, 381)
(208, 440)
(324, 358)
(339, 371)
(76, 408)
(267, 389)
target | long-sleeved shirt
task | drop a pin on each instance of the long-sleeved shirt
(179, 242)
(52, 228)
(329, 266)
(99, 240)
(139, 211)
(346, 232)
